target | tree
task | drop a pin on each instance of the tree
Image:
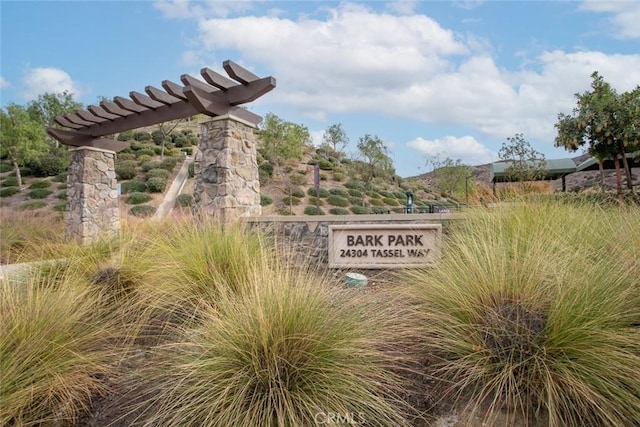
(525, 163)
(335, 137)
(373, 159)
(451, 176)
(23, 138)
(282, 140)
(607, 122)
(165, 128)
(49, 105)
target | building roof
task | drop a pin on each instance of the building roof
(556, 168)
(591, 164)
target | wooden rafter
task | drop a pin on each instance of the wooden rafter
(215, 96)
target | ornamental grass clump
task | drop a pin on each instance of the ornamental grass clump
(55, 351)
(531, 311)
(289, 351)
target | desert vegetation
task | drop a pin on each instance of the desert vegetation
(530, 317)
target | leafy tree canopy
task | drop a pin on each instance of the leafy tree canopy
(336, 137)
(525, 163)
(373, 159)
(282, 140)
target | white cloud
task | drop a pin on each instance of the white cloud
(358, 60)
(625, 16)
(38, 81)
(402, 7)
(3, 82)
(183, 9)
(465, 148)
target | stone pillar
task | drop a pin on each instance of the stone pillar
(226, 171)
(92, 195)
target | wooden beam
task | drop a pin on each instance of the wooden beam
(73, 118)
(174, 89)
(128, 104)
(85, 115)
(217, 80)
(115, 109)
(62, 121)
(238, 73)
(100, 112)
(160, 95)
(206, 103)
(144, 100)
(75, 139)
(187, 80)
(241, 94)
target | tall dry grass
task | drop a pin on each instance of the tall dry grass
(533, 309)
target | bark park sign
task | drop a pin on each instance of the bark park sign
(383, 246)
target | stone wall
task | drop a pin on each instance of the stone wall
(92, 195)
(308, 236)
(226, 171)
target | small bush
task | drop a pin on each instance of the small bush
(39, 193)
(295, 191)
(325, 165)
(60, 207)
(126, 156)
(61, 177)
(323, 193)
(184, 200)
(137, 198)
(400, 195)
(380, 210)
(40, 184)
(386, 194)
(390, 201)
(126, 169)
(376, 202)
(154, 164)
(360, 210)
(146, 152)
(315, 201)
(49, 164)
(355, 185)
(312, 210)
(355, 193)
(157, 184)
(169, 163)
(192, 170)
(162, 173)
(9, 191)
(265, 200)
(267, 168)
(287, 200)
(338, 211)
(125, 136)
(145, 158)
(298, 179)
(338, 192)
(5, 167)
(284, 211)
(10, 181)
(131, 186)
(34, 204)
(335, 200)
(25, 172)
(142, 210)
(142, 136)
(355, 201)
(338, 177)
(62, 195)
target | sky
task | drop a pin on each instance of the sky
(432, 79)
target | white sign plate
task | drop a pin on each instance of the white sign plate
(383, 245)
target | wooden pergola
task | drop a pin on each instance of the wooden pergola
(217, 95)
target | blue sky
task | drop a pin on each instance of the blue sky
(430, 78)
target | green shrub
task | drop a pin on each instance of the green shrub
(531, 309)
(60, 207)
(315, 201)
(142, 136)
(40, 184)
(169, 163)
(10, 181)
(338, 176)
(9, 191)
(312, 210)
(320, 192)
(131, 186)
(293, 201)
(49, 164)
(62, 195)
(325, 165)
(126, 156)
(137, 198)
(144, 158)
(126, 169)
(192, 170)
(265, 200)
(53, 356)
(266, 168)
(153, 164)
(360, 210)
(39, 193)
(355, 193)
(146, 152)
(376, 202)
(126, 136)
(390, 201)
(338, 192)
(298, 179)
(187, 150)
(25, 172)
(400, 195)
(338, 211)
(184, 200)
(263, 177)
(291, 346)
(156, 184)
(355, 185)
(295, 191)
(33, 204)
(356, 201)
(380, 210)
(386, 194)
(335, 200)
(61, 177)
(142, 210)
(5, 167)
(284, 211)
(162, 173)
